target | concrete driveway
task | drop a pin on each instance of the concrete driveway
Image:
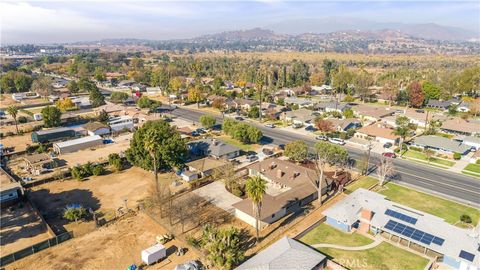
(217, 194)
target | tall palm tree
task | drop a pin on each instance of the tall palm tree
(255, 187)
(13, 111)
(151, 143)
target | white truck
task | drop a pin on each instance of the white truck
(154, 254)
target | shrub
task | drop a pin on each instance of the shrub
(98, 170)
(40, 149)
(466, 218)
(9, 133)
(115, 161)
(74, 214)
(22, 119)
(478, 161)
(457, 156)
(415, 148)
(237, 191)
(77, 172)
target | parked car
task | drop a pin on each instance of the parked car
(336, 141)
(239, 118)
(310, 129)
(321, 138)
(297, 125)
(387, 145)
(270, 125)
(195, 134)
(281, 146)
(201, 130)
(389, 155)
(252, 158)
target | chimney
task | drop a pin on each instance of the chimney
(279, 173)
(295, 174)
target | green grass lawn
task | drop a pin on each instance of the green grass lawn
(364, 182)
(472, 168)
(384, 256)
(433, 160)
(448, 210)
(326, 234)
(244, 147)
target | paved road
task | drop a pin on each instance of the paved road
(433, 180)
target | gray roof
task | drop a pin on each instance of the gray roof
(286, 253)
(348, 211)
(471, 139)
(214, 147)
(298, 101)
(79, 141)
(53, 130)
(332, 105)
(441, 143)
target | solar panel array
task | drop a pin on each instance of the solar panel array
(466, 255)
(413, 233)
(401, 216)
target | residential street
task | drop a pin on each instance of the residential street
(452, 185)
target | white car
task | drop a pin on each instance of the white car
(336, 141)
(270, 125)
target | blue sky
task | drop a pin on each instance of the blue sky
(64, 21)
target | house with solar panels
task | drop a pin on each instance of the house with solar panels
(367, 211)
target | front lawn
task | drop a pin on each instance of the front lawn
(475, 168)
(384, 256)
(433, 160)
(364, 182)
(448, 210)
(326, 234)
(244, 147)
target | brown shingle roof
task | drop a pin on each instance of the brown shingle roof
(376, 130)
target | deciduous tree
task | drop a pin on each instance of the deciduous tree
(296, 151)
(51, 116)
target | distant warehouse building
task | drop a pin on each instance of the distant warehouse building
(77, 144)
(51, 135)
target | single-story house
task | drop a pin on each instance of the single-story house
(379, 132)
(290, 92)
(301, 116)
(442, 104)
(300, 102)
(201, 168)
(343, 125)
(371, 212)
(77, 144)
(286, 253)
(417, 117)
(472, 141)
(245, 104)
(339, 107)
(214, 148)
(460, 126)
(372, 113)
(96, 128)
(82, 102)
(441, 144)
(289, 188)
(323, 89)
(153, 90)
(35, 164)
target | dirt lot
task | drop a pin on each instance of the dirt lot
(20, 227)
(112, 247)
(104, 194)
(18, 142)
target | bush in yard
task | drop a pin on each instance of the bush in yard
(74, 213)
(115, 161)
(9, 133)
(466, 219)
(415, 148)
(241, 131)
(98, 170)
(22, 119)
(77, 173)
(457, 156)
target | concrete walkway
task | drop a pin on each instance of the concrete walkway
(378, 241)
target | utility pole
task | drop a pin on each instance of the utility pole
(426, 121)
(369, 150)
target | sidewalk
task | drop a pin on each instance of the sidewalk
(378, 241)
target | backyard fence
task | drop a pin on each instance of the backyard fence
(35, 248)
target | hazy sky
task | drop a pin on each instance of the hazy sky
(64, 21)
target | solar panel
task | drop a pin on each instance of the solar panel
(438, 241)
(425, 241)
(466, 255)
(428, 237)
(408, 231)
(390, 225)
(400, 216)
(417, 235)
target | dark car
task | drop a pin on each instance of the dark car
(387, 145)
(310, 129)
(239, 118)
(389, 155)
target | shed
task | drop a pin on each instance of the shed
(96, 128)
(36, 163)
(153, 254)
(77, 144)
(54, 134)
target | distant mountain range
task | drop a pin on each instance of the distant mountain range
(335, 24)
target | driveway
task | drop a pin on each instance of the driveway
(218, 195)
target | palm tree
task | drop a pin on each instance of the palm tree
(255, 187)
(151, 144)
(13, 111)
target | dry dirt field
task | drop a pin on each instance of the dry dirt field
(18, 142)
(104, 194)
(20, 228)
(112, 247)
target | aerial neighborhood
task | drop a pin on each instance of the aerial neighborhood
(238, 151)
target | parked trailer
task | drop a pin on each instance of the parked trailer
(154, 254)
